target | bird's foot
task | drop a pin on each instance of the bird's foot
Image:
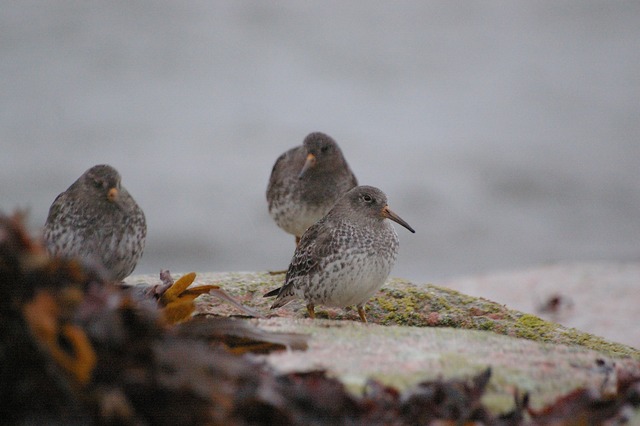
(311, 310)
(363, 317)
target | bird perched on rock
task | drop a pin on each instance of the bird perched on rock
(344, 258)
(305, 183)
(97, 220)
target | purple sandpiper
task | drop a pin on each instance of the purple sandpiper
(97, 220)
(305, 183)
(345, 257)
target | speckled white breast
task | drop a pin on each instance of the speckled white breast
(353, 274)
(295, 217)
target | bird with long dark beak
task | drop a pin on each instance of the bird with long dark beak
(305, 183)
(345, 257)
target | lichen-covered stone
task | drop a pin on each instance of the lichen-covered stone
(401, 302)
(419, 332)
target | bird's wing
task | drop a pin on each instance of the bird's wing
(56, 205)
(279, 172)
(312, 248)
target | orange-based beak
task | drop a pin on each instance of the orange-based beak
(112, 195)
(309, 163)
(387, 213)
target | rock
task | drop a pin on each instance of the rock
(419, 332)
(404, 356)
(599, 298)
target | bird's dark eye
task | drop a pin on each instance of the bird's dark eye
(324, 149)
(97, 184)
(367, 198)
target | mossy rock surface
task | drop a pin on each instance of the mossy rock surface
(417, 332)
(401, 302)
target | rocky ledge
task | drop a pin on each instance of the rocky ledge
(420, 331)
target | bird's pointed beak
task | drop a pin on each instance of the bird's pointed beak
(112, 195)
(387, 213)
(308, 164)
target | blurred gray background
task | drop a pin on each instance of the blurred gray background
(505, 133)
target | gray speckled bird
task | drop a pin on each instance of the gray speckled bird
(97, 220)
(305, 183)
(344, 258)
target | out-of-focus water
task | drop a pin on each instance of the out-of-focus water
(506, 134)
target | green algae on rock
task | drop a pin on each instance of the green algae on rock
(401, 302)
(419, 332)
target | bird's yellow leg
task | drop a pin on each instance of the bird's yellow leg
(311, 310)
(363, 317)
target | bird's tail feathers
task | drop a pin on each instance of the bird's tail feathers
(273, 292)
(285, 295)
